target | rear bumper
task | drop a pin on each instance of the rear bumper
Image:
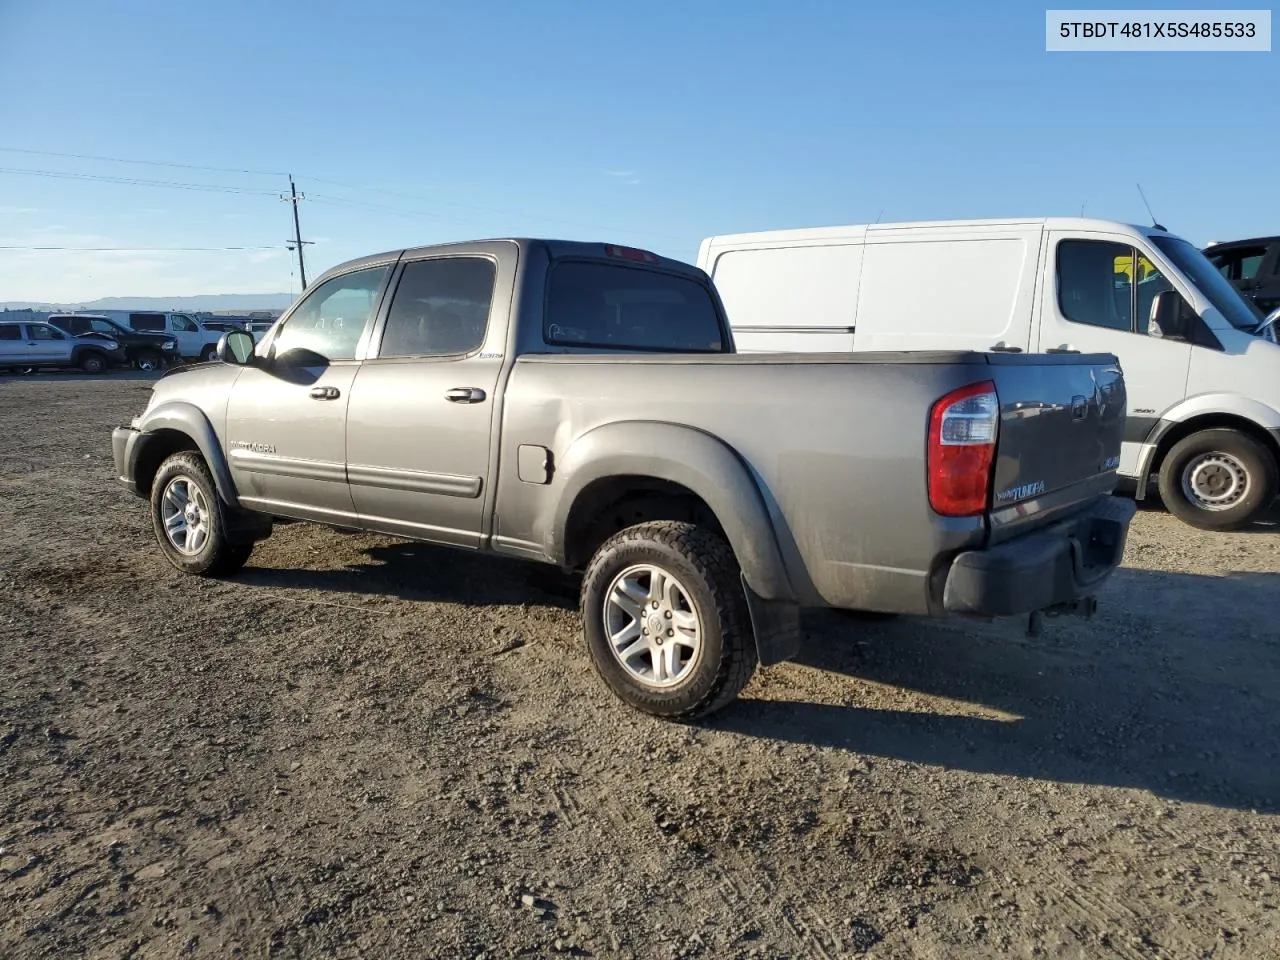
(1051, 568)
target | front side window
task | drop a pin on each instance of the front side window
(592, 304)
(1239, 311)
(104, 326)
(328, 324)
(10, 331)
(40, 331)
(1095, 283)
(183, 324)
(441, 307)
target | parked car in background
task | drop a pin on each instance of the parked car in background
(581, 405)
(221, 325)
(1252, 266)
(195, 342)
(30, 345)
(1202, 369)
(259, 328)
(146, 351)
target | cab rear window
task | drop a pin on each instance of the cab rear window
(613, 307)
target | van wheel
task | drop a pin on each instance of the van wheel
(190, 521)
(666, 619)
(93, 363)
(209, 354)
(1218, 479)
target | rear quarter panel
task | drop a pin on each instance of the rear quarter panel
(836, 446)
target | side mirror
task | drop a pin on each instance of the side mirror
(235, 346)
(1169, 317)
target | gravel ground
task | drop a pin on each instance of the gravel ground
(364, 747)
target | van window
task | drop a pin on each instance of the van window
(146, 321)
(183, 324)
(628, 308)
(779, 287)
(1095, 283)
(944, 293)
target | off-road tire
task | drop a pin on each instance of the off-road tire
(1257, 462)
(149, 360)
(93, 363)
(704, 564)
(218, 557)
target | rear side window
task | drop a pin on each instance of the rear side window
(10, 331)
(626, 308)
(440, 308)
(146, 321)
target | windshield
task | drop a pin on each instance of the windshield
(1196, 267)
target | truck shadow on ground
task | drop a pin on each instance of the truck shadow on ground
(1173, 688)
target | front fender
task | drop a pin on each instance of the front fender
(188, 419)
(694, 460)
(1246, 408)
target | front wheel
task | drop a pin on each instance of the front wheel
(93, 363)
(149, 360)
(1218, 479)
(190, 521)
(666, 619)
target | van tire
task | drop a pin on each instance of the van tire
(706, 574)
(210, 353)
(1218, 479)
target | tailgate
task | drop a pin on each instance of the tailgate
(1061, 425)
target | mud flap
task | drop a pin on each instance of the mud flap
(776, 624)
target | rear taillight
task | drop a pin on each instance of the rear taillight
(963, 429)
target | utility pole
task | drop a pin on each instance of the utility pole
(297, 230)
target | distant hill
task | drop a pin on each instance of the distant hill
(206, 303)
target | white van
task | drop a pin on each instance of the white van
(1201, 365)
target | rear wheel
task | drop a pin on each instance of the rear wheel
(666, 619)
(190, 521)
(93, 362)
(210, 353)
(1218, 479)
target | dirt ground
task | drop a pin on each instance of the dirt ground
(364, 747)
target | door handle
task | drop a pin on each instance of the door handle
(1064, 348)
(464, 395)
(325, 393)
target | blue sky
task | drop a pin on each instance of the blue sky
(653, 123)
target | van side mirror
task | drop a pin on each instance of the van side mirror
(235, 346)
(1170, 317)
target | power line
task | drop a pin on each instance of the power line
(136, 249)
(138, 181)
(148, 163)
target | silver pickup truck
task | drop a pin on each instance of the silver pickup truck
(581, 404)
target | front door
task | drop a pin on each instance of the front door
(47, 344)
(422, 407)
(192, 340)
(286, 419)
(1097, 299)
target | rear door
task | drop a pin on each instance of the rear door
(287, 413)
(1097, 295)
(421, 418)
(13, 344)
